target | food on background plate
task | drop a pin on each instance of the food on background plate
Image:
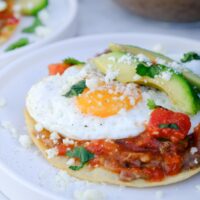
(8, 20)
(32, 7)
(128, 117)
(10, 17)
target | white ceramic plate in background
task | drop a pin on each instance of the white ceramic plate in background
(26, 175)
(62, 23)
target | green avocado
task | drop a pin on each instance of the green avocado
(177, 88)
(32, 7)
(189, 75)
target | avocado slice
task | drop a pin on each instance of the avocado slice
(188, 74)
(177, 88)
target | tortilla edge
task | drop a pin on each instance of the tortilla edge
(100, 174)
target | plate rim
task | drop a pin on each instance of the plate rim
(95, 37)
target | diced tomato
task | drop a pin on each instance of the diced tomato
(101, 147)
(12, 21)
(94, 162)
(62, 149)
(172, 164)
(58, 68)
(162, 116)
(153, 174)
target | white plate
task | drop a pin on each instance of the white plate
(25, 175)
(62, 23)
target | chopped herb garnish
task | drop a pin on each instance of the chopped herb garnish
(172, 126)
(82, 154)
(151, 104)
(73, 61)
(31, 29)
(150, 71)
(163, 139)
(75, 168)
(76, 89)
(187, 57)
(18, 44)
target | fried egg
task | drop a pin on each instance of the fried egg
(106, 109)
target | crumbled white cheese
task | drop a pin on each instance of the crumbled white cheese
(17, 8)
(160, 61)
(9, 127)
(88, 194)
(38, 127)
(43, 16)
(70, 162)
(92, 83)
(62, 180)
(159, 194)
(126, 59)
(158, 48)
(166, 75)
(197, 187)
(3, 5)
(2, 102)
(142, 58)
(111, 74)
(54, 136)
(42, 31)
(132, 101)
(176, 66)
(51, 153)
(68, 141)
(193, 150)
(136, 77)
(196, 161)
(25, 141)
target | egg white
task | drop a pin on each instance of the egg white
(47, 106)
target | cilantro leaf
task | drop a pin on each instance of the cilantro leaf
(187, 57)
(18, 44)
(73, 61)
(76, 89)
(31, 29)
(151, 104)
(171, 126)
(83, 155)
(151, 71)
(77, 167)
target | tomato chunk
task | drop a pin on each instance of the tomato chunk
(101, 147)
(172, 164)
(169, 125)
(62, 149)
(58, 68)
(12, 21)
(153, 174)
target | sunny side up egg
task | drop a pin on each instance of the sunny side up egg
(106, 109)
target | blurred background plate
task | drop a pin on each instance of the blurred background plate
(25, 173)
(62, 23)
(167, 10)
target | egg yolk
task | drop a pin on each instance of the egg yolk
(102, 103)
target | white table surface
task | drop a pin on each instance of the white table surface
(105, 16)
